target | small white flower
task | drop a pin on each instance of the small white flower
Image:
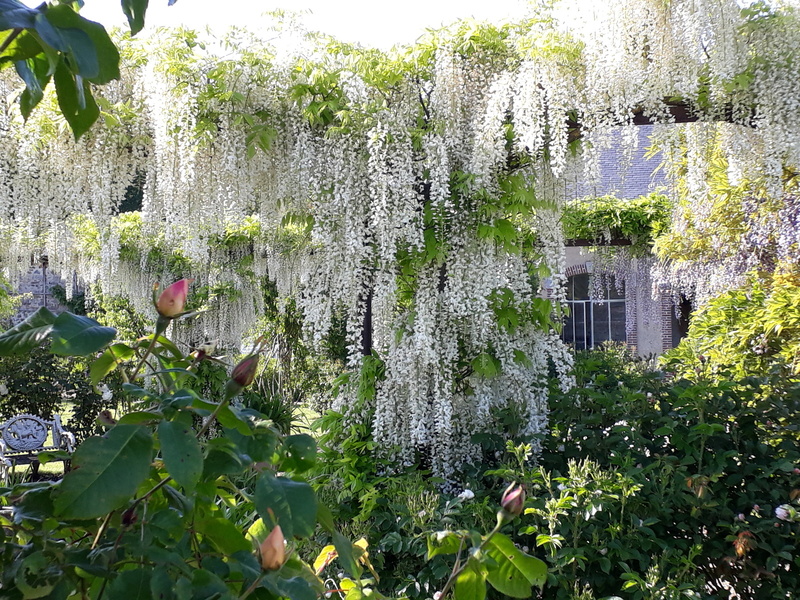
(3, 389)
(561, 487)
(783, 513)
(437, 595)
(467, 495)
(603, 551)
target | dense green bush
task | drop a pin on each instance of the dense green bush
(743, 332)
(44, 384)
(186, 496)
(652, 488)
(647, 487)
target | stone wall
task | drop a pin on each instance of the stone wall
(36, 291)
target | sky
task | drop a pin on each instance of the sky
(379, 24)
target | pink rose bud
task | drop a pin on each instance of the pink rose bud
(242, 375)
(796, 471)
(273, 550)
(245, 371)
(513, 499)
(172, 300)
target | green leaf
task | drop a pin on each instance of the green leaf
(23, 47)
(257, 532)
(205, 584)
(108, 361)
(138, 392)
(443, 542)
(15, 15)
(135, 11)
(487, 365)
(516, 571)
(522, 359)
(222, 459)
(347, 557)
(76, 335)
(301, 453)
(471, 582)
(140, 418)
(132, 585)
(161, 584)
(325, 517)
(181, 451)
(72, 41)
(292, 504)
(231, 419)
(106, 472)
(34, 72)
(505, 230)
(223, 534)
(53, 456)
(89, 43)
(34, 577)
(29, 334)
(75, 100)
(295, 588)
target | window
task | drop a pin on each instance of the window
(591, 322)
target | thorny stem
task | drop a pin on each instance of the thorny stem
(11, 37)
(458, 568)
(151, 491)
(101, 530)
(161, 327)
(252, 587)
(211, 418)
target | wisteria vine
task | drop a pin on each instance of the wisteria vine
(417, 195)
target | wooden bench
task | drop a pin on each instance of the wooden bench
(24, 436)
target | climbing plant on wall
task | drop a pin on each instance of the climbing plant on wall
(415, 194)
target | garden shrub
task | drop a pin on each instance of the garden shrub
(647, 487)
(43, 384)
(652, 488)
(192, 497)
(748, 331)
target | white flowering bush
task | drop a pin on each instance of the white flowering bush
(417, 194)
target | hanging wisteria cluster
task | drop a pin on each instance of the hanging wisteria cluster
(417, 196)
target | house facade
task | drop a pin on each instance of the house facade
(626, 307)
